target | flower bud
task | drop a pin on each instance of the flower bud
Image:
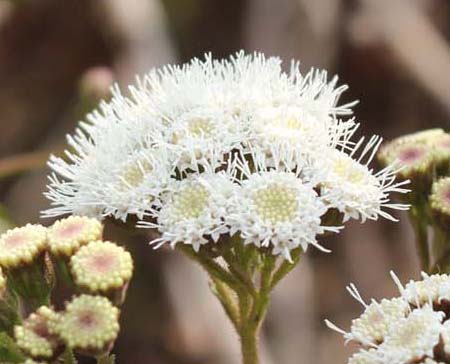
(22, 255)
(34, 337)
(66, 236)
(441, 146)
(21, 246)
(416, 160)
(89, 325)
(440, 203)
(102, 267)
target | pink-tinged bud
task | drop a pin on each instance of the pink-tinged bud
(102, 267)
(34, 338)
(89, 325)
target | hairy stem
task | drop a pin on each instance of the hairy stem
(225, 297)
(249, 345)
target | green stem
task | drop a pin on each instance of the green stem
(440, 244)
(211, 267)
(249, 345)
(286, 267)
(224, 295)
(252, 324)
(238, 272)
(420, 224)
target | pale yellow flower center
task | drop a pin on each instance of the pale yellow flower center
(201, 127)
(276, 203)
(134, 174)
(191, 202)
(344, 168)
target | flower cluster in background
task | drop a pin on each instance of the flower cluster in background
(411, 328)
(233, 147)
(70, 260)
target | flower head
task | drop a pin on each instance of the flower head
(371, 328)
(374, 324)
(178, 155)
(127, 153)
(275, 208)
(431, 289)
(413, 338)
(412, 328)
(415, 159)
(22, 245)
(34, 337)
(294, 128)
(353, 189)
(101, 266)
(89, 324)
(66, 236)
(194, 210)
(440, 202)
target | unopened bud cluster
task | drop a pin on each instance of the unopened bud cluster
(32, 258)
(411, 328)
(419, 153)
(424, 159)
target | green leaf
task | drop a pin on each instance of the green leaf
(9, 352)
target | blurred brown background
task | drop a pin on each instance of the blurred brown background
(395, 55)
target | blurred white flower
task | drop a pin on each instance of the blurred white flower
(412, 338)
(412, 328)
(431, 289)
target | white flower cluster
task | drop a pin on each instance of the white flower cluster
(218, 147)
(411, 328)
